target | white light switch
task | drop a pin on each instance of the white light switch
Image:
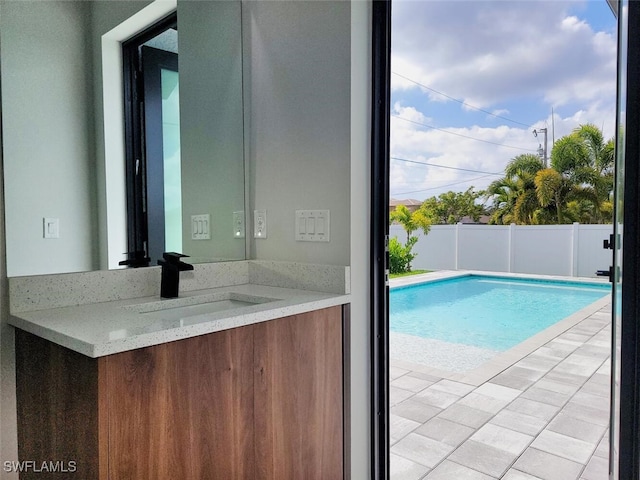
(312, 225)
(238, 224)
(51, 227)
(200, 227)
(260, 224)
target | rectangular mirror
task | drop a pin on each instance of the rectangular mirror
(64, 142)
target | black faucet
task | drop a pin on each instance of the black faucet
(171, 268)
(136, 259)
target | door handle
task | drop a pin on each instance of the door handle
(608, 273)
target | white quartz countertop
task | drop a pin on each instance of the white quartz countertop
(100, 329)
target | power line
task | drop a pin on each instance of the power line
(462, 102)
(443, 186)
(406, 160)
(463, 136)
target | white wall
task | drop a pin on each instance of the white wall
(570, 250)
(299, 127)
(47, 135)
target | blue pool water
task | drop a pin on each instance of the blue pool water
(488, 312)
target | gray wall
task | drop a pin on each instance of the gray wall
(211, 124)
(299, 127)
(48, 135)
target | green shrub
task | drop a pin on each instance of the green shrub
(400, 256)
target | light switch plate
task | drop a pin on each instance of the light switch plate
(238, 224)
(51, 227)
(259, 224)
(200, 227)
(312, 225)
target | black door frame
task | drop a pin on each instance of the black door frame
(135, 159)
(629, 447)
(380, 118)
(629, 451)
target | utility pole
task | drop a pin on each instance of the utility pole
(544, 151)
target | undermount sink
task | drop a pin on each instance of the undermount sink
(175, 312)
(178, 308)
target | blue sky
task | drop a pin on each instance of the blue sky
(457, 62)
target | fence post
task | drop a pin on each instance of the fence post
(510, 247)
(457, 249)
(575, 237)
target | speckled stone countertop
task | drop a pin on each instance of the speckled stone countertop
(115, 323)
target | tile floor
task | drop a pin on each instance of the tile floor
(542, 416)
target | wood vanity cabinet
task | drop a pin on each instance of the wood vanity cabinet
(264, 401)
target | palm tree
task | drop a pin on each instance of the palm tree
(576, 187)
(515, 199)
(411, 221)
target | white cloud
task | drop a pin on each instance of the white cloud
(488, 54)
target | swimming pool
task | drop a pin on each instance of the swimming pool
(487, 312)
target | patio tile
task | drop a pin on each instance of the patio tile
(547, 466)
(519, 422)
(558, 387)
(422, 450)
(603, 447)
(546, 396)
(457, 388)
(424, 376)
(395, 372)
(512, 381)
(557, 353)
(436, 398)
(448, 470)
(587, 413)
(445, 431)
(597, 469)
(564, 446)
(400, 427)
(528, 373)
(537, 362)
(412, 384)
(533, 408)
(483, 458)
(397, 395)
(465, 415)
(415, 410)
(404, 469)
(502, 438)
(499, 392)
(484, 403)
(575, 428)
(518, 475)
(597, 401)
(564, 377)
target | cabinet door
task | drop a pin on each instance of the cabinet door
(183, 409)
(298, 397)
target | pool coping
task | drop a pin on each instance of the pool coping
(492, 367)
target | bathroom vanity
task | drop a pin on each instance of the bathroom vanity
(235, 381)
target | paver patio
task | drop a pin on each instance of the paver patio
(541, 411)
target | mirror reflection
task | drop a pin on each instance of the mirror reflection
(82, 185)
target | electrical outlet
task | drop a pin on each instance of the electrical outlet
(260, 224)
(238, 224)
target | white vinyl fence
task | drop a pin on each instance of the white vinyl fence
(569, 250)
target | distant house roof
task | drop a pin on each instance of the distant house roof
(408, 202)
